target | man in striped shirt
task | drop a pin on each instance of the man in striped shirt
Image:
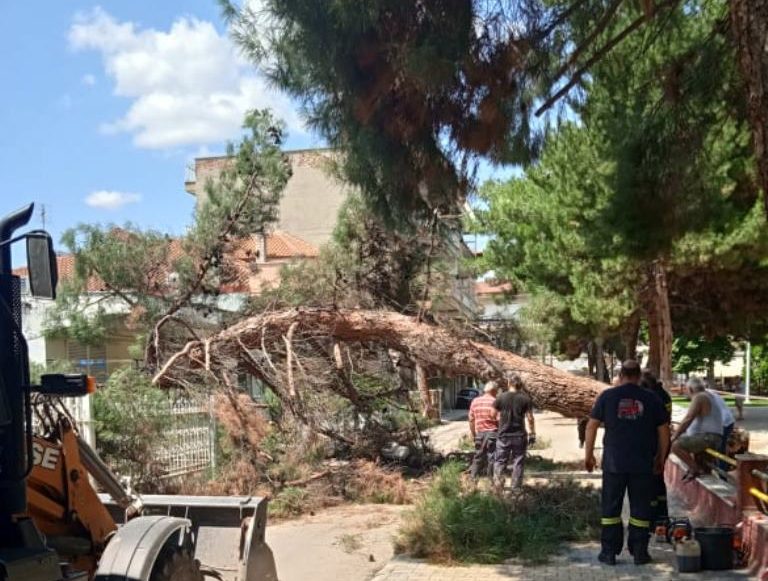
(483, 425)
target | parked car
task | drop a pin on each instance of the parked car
(465, 398)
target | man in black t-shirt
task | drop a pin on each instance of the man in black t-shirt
(635, 446)
(514, 407)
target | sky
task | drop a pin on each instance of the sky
(104, 106)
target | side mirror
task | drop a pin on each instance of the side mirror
(41, 263)
(65, 384)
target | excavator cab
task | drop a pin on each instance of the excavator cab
(54, 526)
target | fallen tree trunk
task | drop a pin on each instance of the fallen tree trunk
(426, 344)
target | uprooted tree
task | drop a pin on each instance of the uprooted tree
(280, 347)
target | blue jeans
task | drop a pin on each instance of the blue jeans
(727, 431)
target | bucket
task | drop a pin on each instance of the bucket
(716, 547)
(688, 553)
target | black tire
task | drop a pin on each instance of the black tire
(176, 564)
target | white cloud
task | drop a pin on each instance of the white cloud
(88, 80)
(188, 85)
(111, 200)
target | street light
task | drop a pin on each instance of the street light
(748, 372)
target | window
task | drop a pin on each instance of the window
(88, 359)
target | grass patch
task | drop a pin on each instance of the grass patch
(452, 525)
(289, 502)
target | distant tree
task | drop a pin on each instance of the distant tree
(549, 238)
(691, 355)
(759, 364)
(648, 208)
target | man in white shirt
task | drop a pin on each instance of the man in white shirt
(728, 422)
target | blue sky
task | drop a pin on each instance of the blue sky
(104, 105)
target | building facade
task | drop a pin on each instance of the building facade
(310, 203)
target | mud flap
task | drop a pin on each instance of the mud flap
(133, 550)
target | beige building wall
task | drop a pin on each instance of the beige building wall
(55, 350)
(310, 204)
(98, 360)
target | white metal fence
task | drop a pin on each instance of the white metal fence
(188, 444)
(188, 441)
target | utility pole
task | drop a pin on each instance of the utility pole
(747, 374)
(43, 215)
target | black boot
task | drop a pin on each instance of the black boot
(639, 550)
(607, 557)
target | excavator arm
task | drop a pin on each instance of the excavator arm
(62, 501)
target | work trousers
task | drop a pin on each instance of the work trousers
(485, 448)
(640, 488)
(659, 508)
(510, 448)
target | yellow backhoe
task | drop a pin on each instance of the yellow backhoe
(54, 526)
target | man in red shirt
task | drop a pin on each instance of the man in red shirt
(483, 425)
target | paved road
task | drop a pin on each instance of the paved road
(345, 543)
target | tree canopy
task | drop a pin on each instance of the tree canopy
(648, 203)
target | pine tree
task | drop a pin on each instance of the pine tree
(150, 280)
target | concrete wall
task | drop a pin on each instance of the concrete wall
(311, 201)
(32, 319)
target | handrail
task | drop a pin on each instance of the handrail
(722, 457)
(761, 475)
(758, 494)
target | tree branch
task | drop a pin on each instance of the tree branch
(604, 50)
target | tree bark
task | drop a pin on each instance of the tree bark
(427, 409)
(630, 336)
(663, 322)
(591, 359)
(425, 343)
(602, 372)
(711, 374)
(654, 360)
(749, 26)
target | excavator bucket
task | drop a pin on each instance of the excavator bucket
(228, 532)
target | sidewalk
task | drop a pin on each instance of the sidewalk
(578, 562)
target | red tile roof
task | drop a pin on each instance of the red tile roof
(65, 263)
(279, 245)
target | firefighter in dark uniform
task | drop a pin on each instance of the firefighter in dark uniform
(634, 448)
(659, 500)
